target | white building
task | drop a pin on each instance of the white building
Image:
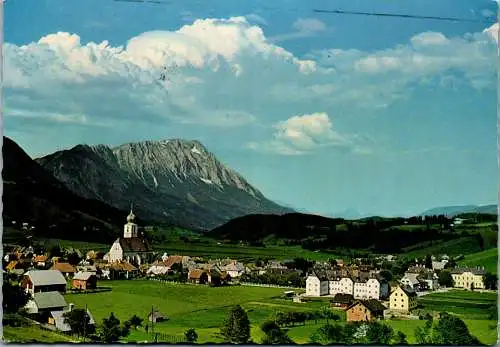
(410, 280)
(371, 288)
(316, 285)
(344, 285)
(235, 269)
(131, 247)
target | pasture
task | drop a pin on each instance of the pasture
(187, 306)
(487, 258)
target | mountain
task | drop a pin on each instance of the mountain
(455, 210)
(175, 180)
(35, 196)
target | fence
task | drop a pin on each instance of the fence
(267, 285)
(165, 338)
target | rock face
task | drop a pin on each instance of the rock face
(174, 180)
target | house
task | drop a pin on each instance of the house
(130, 247)
(370, 288)
(158, 268)
(468, 278)
(84, 280)
(121, 269)
(429, 280)
(439, 265)
(56, 319)
(66, 269)
(35, 281)
(40, 260)
(316, 285)
(365, 310)
(342, 300)
(235, 269)
(344, 285)
(403, 299)
(156, 317)
(44, 302)
(197, 276)
(411, 280)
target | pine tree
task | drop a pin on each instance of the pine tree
(236, 328)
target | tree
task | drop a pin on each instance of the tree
(14, 297)
(274, 335)
(428, 261)
(78, 320)
(111, 331)
(400, 338)
(490, 281)
(445, 279)
(236, 328)
(386, 275)
(328, 335)
(452, 330)
(135, 321)
(190, 336)
(379, 334)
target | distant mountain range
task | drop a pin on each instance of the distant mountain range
(32, 195)
(174, 180)
(455, 210)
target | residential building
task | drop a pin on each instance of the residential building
(36, 281)
(235, 269)
(411, 280)
(131, 247)
(84, 280)
(403, 299)
(439, 265)
(365, 310)
(344, 285)
(468, 278)
(370, 288)
(156, 317)
(316, 285)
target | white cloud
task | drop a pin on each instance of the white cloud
(309, 25)
(226, 72)
(304, 27)
(305, 134)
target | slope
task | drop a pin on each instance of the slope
(175, 180)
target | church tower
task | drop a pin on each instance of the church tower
(130, 229)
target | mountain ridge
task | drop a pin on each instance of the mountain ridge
(35, 196)
(452, 211)
(174, 179)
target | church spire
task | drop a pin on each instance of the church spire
(131, 216)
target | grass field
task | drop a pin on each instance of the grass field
(462, 245)
(187, 306)
(33, 333)
(487, 258)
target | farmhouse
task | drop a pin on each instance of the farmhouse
(342, 300)
(235, 269)
(43, 303)
(197, 276)
(411, 280)
(36, 281)
(156, 317)
(84, 280)
(56, 319)
(40, 260)
(158, 268)
(130, 247)
(468, 278)
(365, 310)
(403, 299)
(66, 269)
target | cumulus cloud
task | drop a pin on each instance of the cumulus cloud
(226, 72)
(304, 134)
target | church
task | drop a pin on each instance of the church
(131, 247)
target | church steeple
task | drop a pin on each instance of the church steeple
(131, 215)
(130, 229)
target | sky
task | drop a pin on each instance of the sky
(322, 112)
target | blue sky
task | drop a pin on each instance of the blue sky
(322, 112)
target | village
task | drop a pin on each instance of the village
(362, 288)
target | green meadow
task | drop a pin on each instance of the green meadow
(487, 258)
